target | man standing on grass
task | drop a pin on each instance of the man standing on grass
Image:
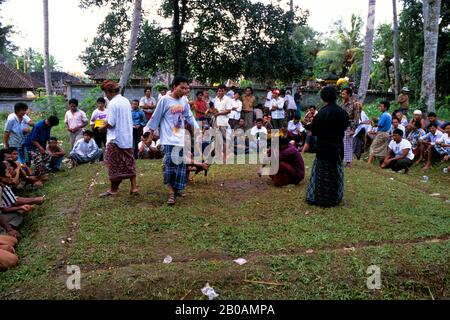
(75, 121)
(148, 103)
(352, 107)
(382, 139)
(277, 110)
(119, 146)
(326, 186)
(170, 116)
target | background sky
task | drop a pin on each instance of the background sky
(71, 28)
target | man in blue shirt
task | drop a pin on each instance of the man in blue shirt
(139, 122)
(36, 144)
(381, 141)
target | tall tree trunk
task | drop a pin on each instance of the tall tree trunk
(177, 38)
(431, 15)
(47, 74)
(396, 50)
(135, 27)
(368, 48)
(179, 18)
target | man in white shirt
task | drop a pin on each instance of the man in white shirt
(296, 130)
(223, 105)
(119, 146)
(277, 110)
(428, 142)
(444, 143)
(148, 103)
(400, 154)
(75, 121)
(236, 109)
(170, 116)
(258, 136)
(291, 106)
(267, 103)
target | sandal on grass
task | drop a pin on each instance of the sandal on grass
(107, 194)
(171, 200)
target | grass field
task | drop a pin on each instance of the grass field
(294, 251)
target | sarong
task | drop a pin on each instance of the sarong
(326, 186)
(120, 163)
(174, 174)
(348, 146)
(380, 144)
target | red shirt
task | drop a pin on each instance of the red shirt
(200, 108)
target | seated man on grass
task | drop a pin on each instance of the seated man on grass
(259, 136)
(416, 132)
(296, 130)
(85, 150)
(8, 258)
(11, 203)
(443, 144)
(26, 174)
(400, 155)
(57, 153)
(152, 151)
(428, 143)
(291, 165)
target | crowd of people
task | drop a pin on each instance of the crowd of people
(119, 132)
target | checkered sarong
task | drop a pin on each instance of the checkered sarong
(348, 146)
(326, 185)
(174, 174)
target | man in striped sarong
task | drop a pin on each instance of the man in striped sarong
(352, 107)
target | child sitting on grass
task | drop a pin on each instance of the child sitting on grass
(57, 153)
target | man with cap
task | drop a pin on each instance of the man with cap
(119, 146)
(403, 100)
(277, 110)
(417, 117)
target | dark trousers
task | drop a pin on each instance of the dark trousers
(100, 138)
(137, 135)
(291, 114)
(277, 124)
(359, 144)
(401, 164)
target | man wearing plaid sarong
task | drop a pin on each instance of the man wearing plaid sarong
(170, 115)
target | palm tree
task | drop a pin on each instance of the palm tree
(47, 74)
(135, 27)
(344, 53)
(396, 50)
(431, 15)
(368, 48)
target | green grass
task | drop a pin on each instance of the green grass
(120, 243)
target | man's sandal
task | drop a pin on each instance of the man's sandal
(107, 194)
(171, 200)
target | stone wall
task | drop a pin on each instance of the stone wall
(81, 91)
(7, 104)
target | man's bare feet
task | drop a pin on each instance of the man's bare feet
(426, 167)
(419, 161)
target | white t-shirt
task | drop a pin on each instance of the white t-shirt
(279, 113)
(290, 102)
(120, 119)
(222, 105)
(170, 116)
(147, 102)
(255, 131)
(292, 127)
(432, 138)
(236, 115)
(98, 115)
(445, 139)
(398, 148)
(268, 104)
